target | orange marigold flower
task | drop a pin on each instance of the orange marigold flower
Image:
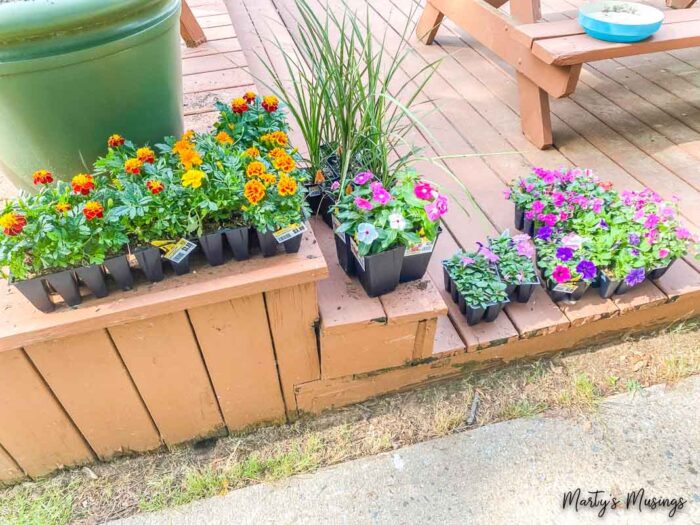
(254, 191)
(252, 152)
(12, 223)
(270, 103)
(284, 163)
(82, 183)
(63, 207)
(286, 186)
(268, 178)
(348, 189)
(155, 186)
(277, 138)
(319, 177)
(193, 178)
(146, 155)
(239, 105)
(133, 166)
(188, 135)
(249, 97)
(190, 158)
(42, 177)
(223, 138)
(93, 210)
(255, 169)
(182, 145)
(276, 152)
(114, 141)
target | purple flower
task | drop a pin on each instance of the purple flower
(363, 177)
(603, 224)
(544, 233)
(507, 194)
(634, 239)
(652, 221)
(587, 269)
(335, 186)
(635, 252)
(488, 254)
(363, 204)
(525, 249)
(537, 207)
(564, 253)
(682, 233)
(549, 219)
(467, 260)
(635, 277)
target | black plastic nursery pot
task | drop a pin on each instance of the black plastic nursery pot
(213, 247)
(379, 273)
(150, 261)
(415, 263)
(446, 278)
(477, 314)
(37, 292)
(344, 253)
(657, 273)
(238, 240)
(65, 284)
(523, 291)
(269, 245)
(314, 196)
(607, 287)
(567, 291)
(118, 268)
(93, 277)
(519, 217)
(325, 211)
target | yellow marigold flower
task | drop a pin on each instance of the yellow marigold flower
(188, 135)
(255, 169)
(146, 155)
(133, 166)
(250, 97)
(270, 103)
(193, 178)
(63, 207)
(252, 152)
(286, 186)
(276, 152)
(223, 138)
(254, 191)
(268, 178)
(190, 158)
(284, 163)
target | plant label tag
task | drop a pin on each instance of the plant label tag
(314, 191)
(356, 252)
(336, 224)
(178, 251)
(289, 232)
(565, 288)
(424, 246)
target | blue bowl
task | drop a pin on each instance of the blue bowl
(615, 21)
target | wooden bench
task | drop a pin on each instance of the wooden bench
(547, 56)
(190, 30)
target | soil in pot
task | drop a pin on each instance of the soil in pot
(36, 292)
(657, 273)
(150, 261)
(65, 284)
(213, 247)
(378, 273)
(119, 269)
(238, 240)
(93, 277)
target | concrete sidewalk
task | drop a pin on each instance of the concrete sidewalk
(507, 473)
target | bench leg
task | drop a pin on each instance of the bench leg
(679, 4)
(535, 117)
(190, 30)
(429, 23)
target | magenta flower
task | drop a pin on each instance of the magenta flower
(537, 207)
(488, 254)
(597, 206)
(558, 199)
(467, 260)
(432, 211)
(525, 249)
(663, 253)
(561, 274)
(506, 194)
(335, 186)
(363, 204)
(549, 219)
(441, 203)
(424, 191)
(380, 195)
(682, 233)
(668, 212)
(652, 221)
(363, 177)
(529, 215)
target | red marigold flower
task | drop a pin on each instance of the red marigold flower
(114, 141)
(133, 166)
(250, 97)
(42, 177)
(12, 223)
(239, 105)
(82, 183)
(63, 207)
(155, 186)
(93, 210)
(270, 103)
(146, 155)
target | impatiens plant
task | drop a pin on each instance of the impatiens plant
(476, 278)
(380, 218)
(514, 257)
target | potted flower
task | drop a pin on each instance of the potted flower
(565, 260)
(475, 285)
(515, 264)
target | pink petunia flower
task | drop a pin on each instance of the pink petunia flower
(561, 274)
(380, 195)
(363, 177)
(363, 204)
(424, 191)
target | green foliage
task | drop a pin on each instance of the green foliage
(513, 267)
(476, 279)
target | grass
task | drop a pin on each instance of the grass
(570, 385)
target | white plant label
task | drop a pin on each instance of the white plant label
(425, 246)
(314, 191)
(565, 288)
(289, 232)
(178, 251)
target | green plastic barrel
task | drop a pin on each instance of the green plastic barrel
(73, 72)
